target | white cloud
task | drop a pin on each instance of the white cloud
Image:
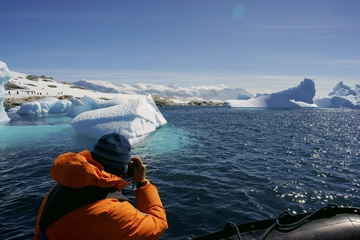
(58, 15)
(296, 26)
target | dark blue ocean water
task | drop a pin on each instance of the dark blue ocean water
(210, 164)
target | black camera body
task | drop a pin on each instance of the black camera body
(131, 168)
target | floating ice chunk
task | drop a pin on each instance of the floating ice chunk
(45, 105)
(134, 119)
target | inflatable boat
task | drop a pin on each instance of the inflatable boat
(329, 222)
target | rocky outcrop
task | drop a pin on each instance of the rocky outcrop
(160, 102)
(205, 103)
(163, 102)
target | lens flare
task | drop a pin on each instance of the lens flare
(239, 11)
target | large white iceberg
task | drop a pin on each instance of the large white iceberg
(342, 96)
(93, 117)
(134, 119)
(4, 77)
(297, 97)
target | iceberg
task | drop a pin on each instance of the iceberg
(134, 119)
(342, 96)
(45, 105)
(296, 97)
(4, 77)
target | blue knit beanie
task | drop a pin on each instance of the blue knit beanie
(112, 150)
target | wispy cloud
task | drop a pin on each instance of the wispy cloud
(58, 15)
(351, 62)
(295, 26)
(67, 53)
(341, 63)
(308, 61)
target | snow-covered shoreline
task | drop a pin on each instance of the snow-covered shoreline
(21, 88)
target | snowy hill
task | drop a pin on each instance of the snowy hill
(215, 93)
(22, 85)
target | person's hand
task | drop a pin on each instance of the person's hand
(139, 173)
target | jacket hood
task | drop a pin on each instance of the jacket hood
(78, 170)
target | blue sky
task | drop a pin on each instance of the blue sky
(259, 45)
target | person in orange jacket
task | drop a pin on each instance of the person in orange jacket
(79, 207)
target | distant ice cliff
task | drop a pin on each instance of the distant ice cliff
(296, 97)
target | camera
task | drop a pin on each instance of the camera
(131, 168)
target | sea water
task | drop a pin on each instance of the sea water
(211, 165)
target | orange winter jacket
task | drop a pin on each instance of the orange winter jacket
(107, 218)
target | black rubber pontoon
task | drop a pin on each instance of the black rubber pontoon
(330, 223)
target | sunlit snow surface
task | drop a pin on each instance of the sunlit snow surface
(214, 93)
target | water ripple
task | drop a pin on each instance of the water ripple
(211, 165)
